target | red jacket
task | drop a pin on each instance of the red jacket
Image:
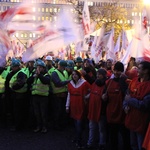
(77, 103)
(137, 120)
(95, 102)
(114, 111)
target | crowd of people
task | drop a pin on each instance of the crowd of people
(112, 99)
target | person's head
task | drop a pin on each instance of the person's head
(41, 66)
(87, 63)
(102, 64)
(109, 64)
(76, 75)
(131, 63)
(15, 64)
(78, 61)
(31, 63)
(70, 65)
(118, 69)
(144, 69)
(101, 74)
(48, 60)
(62, 64)
(56, 62)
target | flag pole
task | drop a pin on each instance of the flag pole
(20, 41)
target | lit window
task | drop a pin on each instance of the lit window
(42, 9)
(39, 9)
(55, 9)
(54, 1)
(46, 18)
(132, 21)
(33, 34)
(22, 35)
(132, 13)
(25, 35)
(42, 18)
(17, 34)
(34, 9)
(50, 18)
(51, 10)
(128, 21)
(135, 13)
(91, 3)
(34, 18)
(46, 9)
(55, 18)
(30, 35)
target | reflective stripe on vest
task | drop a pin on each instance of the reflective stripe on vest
(2, 84)
(59, 89)
(38, 88)
(2, 80)
(27, 72)
(14, 80)
(50, 71)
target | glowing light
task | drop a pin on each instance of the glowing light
(146, 1)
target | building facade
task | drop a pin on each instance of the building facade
(48, 10)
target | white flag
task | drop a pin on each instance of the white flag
(117, 46)
(110, 45)
(93, 47)
(65, 33)
(127, 55)
(125, 41)
(3, 53)
(86, 18)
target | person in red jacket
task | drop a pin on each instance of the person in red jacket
(97, 112)
(78, 88)
(115, 92)
(136, 105)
